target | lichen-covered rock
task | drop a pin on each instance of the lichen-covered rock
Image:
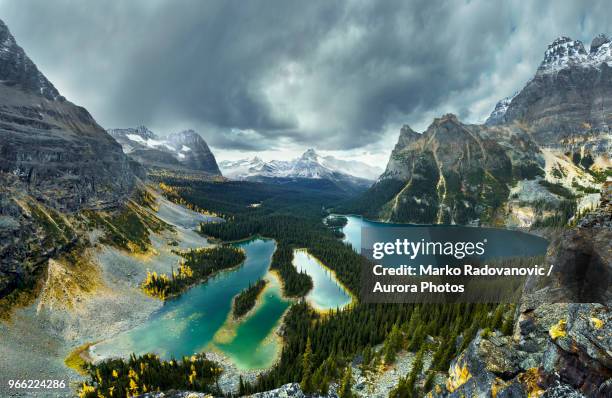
(291, 390)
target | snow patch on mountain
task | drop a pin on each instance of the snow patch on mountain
(561, 54)
(497, 116)
(309, 165)
(565, 52)
(186, 147)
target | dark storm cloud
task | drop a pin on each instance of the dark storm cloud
(258, 74)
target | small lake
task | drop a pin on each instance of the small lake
(199, 319)
(326, 293)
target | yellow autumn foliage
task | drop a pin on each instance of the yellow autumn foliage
(558, 330)
(597, 323)
(457, 376)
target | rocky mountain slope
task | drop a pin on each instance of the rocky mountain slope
(568, 103)
(309, 166)
(541, 156)
(54, 160)
(452, 173)
(185, 150)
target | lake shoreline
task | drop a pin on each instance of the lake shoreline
(353, 298)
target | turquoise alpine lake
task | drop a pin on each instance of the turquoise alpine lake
(326, 293)
(199, 320)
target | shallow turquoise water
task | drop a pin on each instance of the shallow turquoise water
(326, 292)
(188, 324)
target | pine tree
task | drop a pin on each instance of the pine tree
(415, 372)
(429, 381)
(509, 322)
(393, 343)
(241, 388)
(306, 383)
(347, 382)
(498, 317)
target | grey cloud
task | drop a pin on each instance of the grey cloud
(252, 75)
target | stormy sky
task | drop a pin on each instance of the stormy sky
(282, 76)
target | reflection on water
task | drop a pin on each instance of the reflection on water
(326, 292)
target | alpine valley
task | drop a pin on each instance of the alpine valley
(134, 265)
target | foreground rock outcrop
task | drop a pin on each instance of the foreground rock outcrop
(562, 343)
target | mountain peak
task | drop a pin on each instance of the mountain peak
(598, 41)
(565, 52)
(562, 52)
(407, 135)
(186, 137)
(310, 154)
(16, 68)
(569, 84)
(407, 130)
(144, 132)
(444, 119)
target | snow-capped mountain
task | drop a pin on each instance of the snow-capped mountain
(352, 167)
(310, 165)
(567, 104)
(565, 52)
(182, 150)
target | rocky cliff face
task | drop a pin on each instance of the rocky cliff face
(198, 156)
(54, 159)
(56, 149)
(183, 151)
(568, 103)
(16, 69)
(454, 173)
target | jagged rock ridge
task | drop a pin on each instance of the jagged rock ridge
(185, 150)
(568, 103)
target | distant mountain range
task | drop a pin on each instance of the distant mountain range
(348, 175)
(550, 142)
(182, 151)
